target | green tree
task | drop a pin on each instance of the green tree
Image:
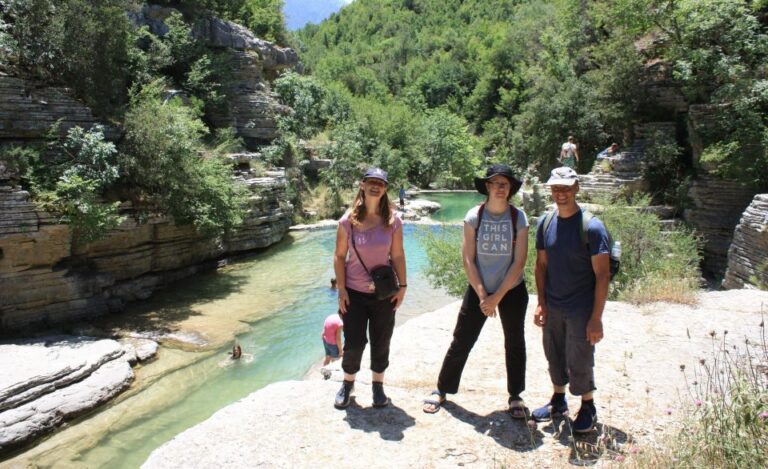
(170, 168)
(447, 152)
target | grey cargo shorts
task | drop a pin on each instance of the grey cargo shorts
(571, 357)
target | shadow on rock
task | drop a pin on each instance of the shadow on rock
(499, 425)
(390, 422)
(587, 448)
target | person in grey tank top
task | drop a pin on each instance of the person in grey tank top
(494, 251)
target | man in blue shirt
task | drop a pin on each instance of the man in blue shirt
(572, 280)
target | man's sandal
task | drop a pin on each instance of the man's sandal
(431, 404)
(517, 410)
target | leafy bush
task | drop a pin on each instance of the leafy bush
(305, 96)
(655, 266)
(445, 268)
(78, 201)
(664, 170)
(19, 160)
(82, 43)
(70, 181)
(169, 166)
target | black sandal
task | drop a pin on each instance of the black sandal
(435, 403)
(517, 409)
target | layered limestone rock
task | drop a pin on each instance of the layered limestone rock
(251, 106)
(252, 63)
(748, 254)
(46, 382)
(29, 109)
(717, 207)
(46, 279)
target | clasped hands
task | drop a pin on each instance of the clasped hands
(488, 305)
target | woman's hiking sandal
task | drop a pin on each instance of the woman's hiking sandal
(431, 404)
(518, 410)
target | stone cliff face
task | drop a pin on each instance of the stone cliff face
(28, 110)
(748, 254)
(45, 278)
(253, 63)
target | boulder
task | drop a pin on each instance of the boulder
(46, 382)
(748, 254)
(138, 349)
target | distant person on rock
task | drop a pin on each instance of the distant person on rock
(401, 194)
(609, 152)
(369, 239)
(494, 250)
(569, 153)
(572, 285)
(333, 283)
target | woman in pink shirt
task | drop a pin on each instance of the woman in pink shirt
(378, 240)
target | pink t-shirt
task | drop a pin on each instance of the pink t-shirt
(373, 245)
(332, 323)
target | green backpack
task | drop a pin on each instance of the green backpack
(586, 216)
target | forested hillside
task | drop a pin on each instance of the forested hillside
(513, 78)
(429, 89)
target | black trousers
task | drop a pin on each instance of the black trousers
(378, 317)
(471, 319)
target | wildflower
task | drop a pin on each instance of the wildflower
(712, 333)
(634, 450)
(702, 361)
(725, 332)
(698, 402)
(682, 367)
(763, 415)
(619, 458)
(668, 411)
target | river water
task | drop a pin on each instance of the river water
(272, 303)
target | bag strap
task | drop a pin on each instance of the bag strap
(352, 230)
(586, 216)
(512, 214)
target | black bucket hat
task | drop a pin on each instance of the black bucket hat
(498, 170)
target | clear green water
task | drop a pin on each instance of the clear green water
(454, 204)
(277, 301)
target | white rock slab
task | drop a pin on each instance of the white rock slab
(47, 381)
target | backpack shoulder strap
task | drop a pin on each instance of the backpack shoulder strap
(479, 219)
(548, 220)
(586, 217)
(513, 216)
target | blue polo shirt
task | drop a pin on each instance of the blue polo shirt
(570, 282)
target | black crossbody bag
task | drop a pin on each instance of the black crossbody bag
(384, 279)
